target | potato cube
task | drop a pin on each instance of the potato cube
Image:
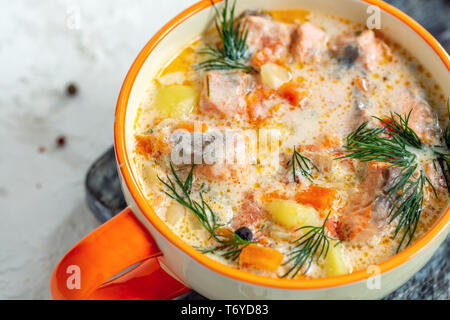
(291, 214)
(176, 101)
(149, 176)
(274, 76)
(174, 213)
(334, 263)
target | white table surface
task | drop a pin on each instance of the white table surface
(44, 45)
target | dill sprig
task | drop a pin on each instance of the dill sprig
(303, 164)
(444, 163)
(442, 151)
(407, 207)
(393, 144)
(313, 244)
(399, 130)
(230, 244)
(447, 130)
(384, 144)
(233, 52)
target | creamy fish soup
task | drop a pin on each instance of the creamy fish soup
(294, 144)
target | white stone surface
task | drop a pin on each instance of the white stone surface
(43, 46)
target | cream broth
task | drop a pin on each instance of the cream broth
(315, 79)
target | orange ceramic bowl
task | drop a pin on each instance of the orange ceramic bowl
(139, 235)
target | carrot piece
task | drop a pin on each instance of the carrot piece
(144, 145)
(292, 92)
(191, 126)
(386, 121)
(261, 258)
(361, 83)
(319, 197)
(151, 145)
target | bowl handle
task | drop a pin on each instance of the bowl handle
(121, 242)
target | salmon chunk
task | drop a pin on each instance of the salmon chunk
(319, 155)
(256, 108)
(223, 157)
(365, 213)
(224, 93)
(437, 179)
(264, 32)
(268, 40)
(146, 146)
(249, 212)
(273, 41)
(366, 49)
(423, 122)
(307, 42)
(371, 48)
(273, 54)
(153, 145)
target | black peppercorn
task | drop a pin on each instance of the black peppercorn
(60, 141)
(72, 89)
(245, 233)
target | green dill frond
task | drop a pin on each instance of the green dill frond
(386, 144)
(447, 129)
(444, 164)
(408, 206)
(442, 151)
(230, 244)
(399, 130)
(313, 244)
(232, 53)
(302, 164)
(393, 144)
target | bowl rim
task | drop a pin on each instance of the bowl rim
(130, 180)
